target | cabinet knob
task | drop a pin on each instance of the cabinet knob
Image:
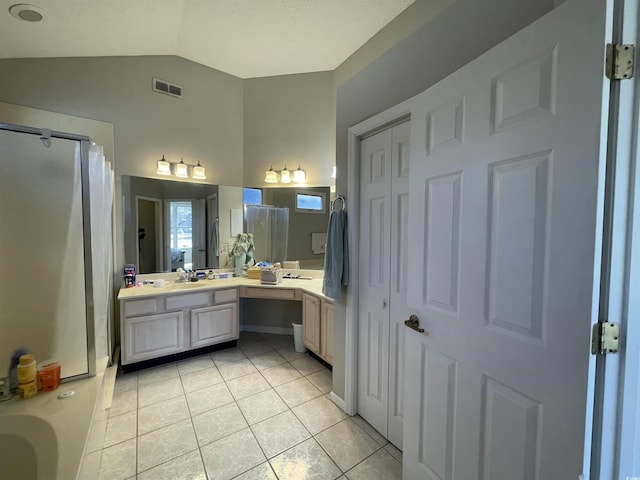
(384, 304)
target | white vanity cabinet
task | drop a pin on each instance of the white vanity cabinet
(317, 326)
(162, 325)
(218, 323)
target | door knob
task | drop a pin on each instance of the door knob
(414, 324)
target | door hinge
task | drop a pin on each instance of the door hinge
(619, 63)
(605, 338)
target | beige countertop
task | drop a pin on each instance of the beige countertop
(312, 286)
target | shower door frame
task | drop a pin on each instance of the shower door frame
(86, 234)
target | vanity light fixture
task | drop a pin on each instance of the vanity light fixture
(299, 175)
(333, 173)
(271, 176)
(182, 170)
(164, 167)
(198, 172)
(285, 175)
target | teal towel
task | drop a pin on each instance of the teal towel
(336, 260)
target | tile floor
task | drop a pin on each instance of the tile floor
(260, 411)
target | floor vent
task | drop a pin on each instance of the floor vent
(162, 86)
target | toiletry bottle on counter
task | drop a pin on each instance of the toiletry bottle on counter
(13, 370)
(210, 275)
(27, 376)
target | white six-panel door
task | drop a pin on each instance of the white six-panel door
(504, 196)
(384, 186)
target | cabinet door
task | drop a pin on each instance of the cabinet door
(311, 322)
(153, 336)
(211, 325)
(326, 339)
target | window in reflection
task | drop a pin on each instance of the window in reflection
(180, 234)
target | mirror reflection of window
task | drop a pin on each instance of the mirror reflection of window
(252, 196)
(180, 234)
(310, 202)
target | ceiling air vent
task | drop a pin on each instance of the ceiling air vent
(162, 86)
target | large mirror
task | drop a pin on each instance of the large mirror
(173, 224)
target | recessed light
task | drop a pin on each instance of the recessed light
(26, 12)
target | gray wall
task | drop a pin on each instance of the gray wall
(289, 120)
(205, 125)
(451, 39)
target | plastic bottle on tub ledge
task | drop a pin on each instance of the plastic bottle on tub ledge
(27, 376)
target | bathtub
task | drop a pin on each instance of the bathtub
(43, 437)
(28, 448)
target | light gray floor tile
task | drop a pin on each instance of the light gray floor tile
(159, 391)
(379, 466)
(227, 355)
(278, 433)
(120, 428)
(218, 423)
(319, 414)
(248, 385)
(266, 360)
(165, 444)
(255, 348)
(306, 461)
(162, 414)
(232, 455)
(185, 467)
(347, 444)
(125, 382)
(373, 433)
(156, 374)
(208, 398)
(261, 472)
(298, 391)
(236, 369)
(277, 341)
(96, 436)
(200, 379)
(308, 365)
(280, 374)
(394, 451)
(323, 380)
(195, 364)
(119, 462)
(90, 467)
(290, 354)
(261, 406)
(123, 401)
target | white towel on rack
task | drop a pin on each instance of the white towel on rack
(318, 242)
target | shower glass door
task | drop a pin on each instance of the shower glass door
(42, 286)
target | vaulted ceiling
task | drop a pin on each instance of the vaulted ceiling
(246, 38)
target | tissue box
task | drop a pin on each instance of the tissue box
(254, 272)
(271, 276)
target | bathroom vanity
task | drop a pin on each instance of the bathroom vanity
(179, 317)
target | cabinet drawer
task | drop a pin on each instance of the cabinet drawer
(225, 296)
(140, 307)
(278, 293)
(176, 302)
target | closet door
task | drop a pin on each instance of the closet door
(400, 245)
(384, 174)
(374, 278)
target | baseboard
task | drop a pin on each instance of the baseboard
(266, 329)
(337, 400)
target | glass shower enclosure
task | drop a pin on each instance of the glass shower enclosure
(270, 228)
(55, 287)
